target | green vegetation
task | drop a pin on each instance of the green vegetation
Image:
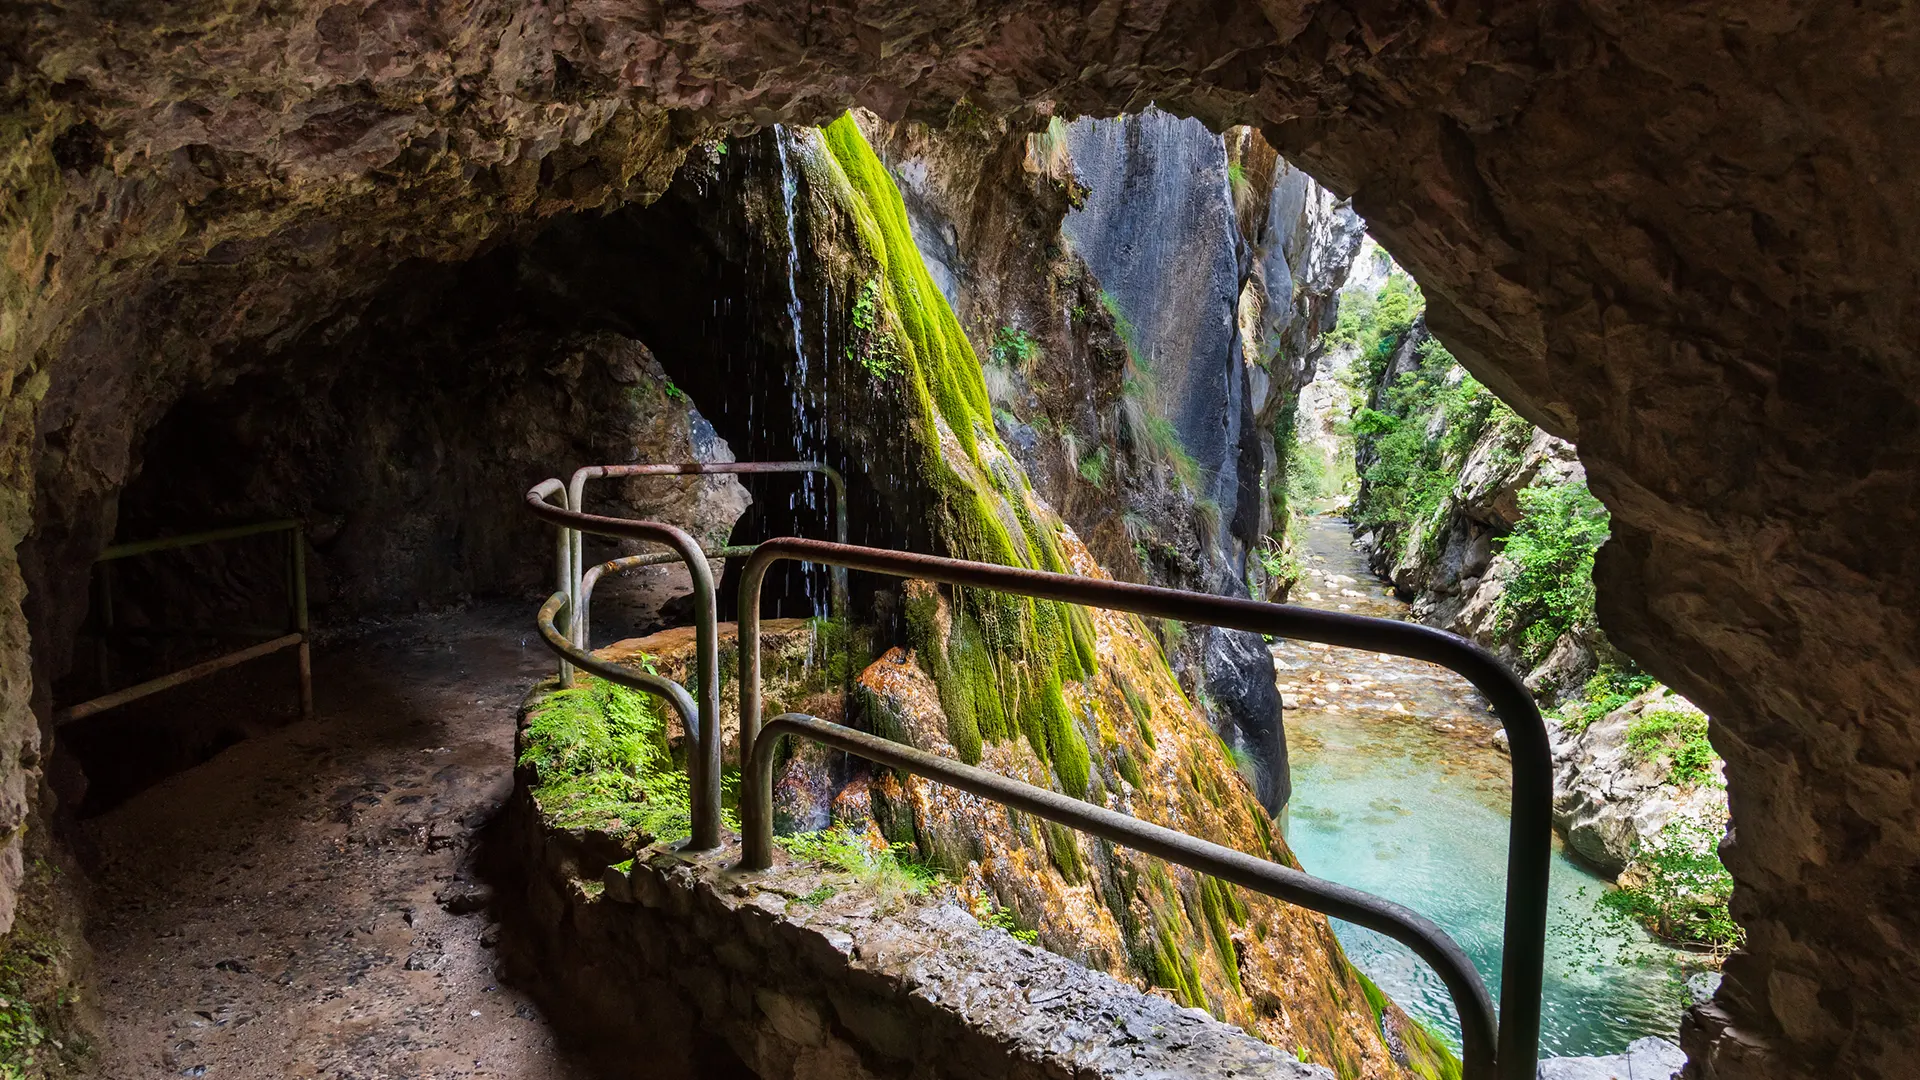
(1124, 328)
(890, 871)
(1013, 348)
(1608, 689)
(1374, 325)
(1429, 1055)
(1063, 850)
(40, 1035)
(1678, 737)
(1221, 909)
(1002, 661)
(1678, 889)
(601, 753)
(1278, 563)
(1003, 918)
(1553, 547)
(1093, 467)
(872, 345)
(1420, 427)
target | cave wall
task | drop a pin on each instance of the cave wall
(1673, 233)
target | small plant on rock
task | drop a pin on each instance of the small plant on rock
(1013, 348)
(890, 870)
(1610, 688)
(1677, 736)
(1678, 889)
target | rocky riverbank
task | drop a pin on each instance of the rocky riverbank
(1484, 525)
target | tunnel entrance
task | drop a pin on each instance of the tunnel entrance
(402, 430)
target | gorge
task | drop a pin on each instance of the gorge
(380, 267)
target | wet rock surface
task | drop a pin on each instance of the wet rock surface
(307, 904)
(1664, 231)
(800, 973)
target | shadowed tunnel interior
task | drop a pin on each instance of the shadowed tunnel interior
(382, 266)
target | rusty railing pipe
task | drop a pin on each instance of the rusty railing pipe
(582, 623)
(1512, 1052)
(577, 490)
(703, 766)
(555, 609)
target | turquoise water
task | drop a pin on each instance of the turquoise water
(1397, 790)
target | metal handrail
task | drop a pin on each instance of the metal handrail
(703, 765)
(296, 636)
(582, 634)
(1507, 1047)
(556, 607)
(576, 501)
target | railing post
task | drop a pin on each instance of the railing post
(563, 583)
(703, 766)
(839, 485)
(756, 818)
(1506, 1048)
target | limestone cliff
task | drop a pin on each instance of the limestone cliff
(1148, 298)
(1484, 523)
(1665, 231)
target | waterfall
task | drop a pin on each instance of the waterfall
(806, 444)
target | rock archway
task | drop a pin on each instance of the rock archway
(1678, 233)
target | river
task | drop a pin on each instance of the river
(1399, 790)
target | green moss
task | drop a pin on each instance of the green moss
(1173, 968)
(1000, 648)
(1218, 908)
(601, 756)
(1063, 849)
(1129, 769)
(1428, 1055)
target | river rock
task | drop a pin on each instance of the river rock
(1651, 1058)
(1607, 799)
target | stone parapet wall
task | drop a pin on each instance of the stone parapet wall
(798, 972)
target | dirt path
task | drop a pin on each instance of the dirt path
(304, 905)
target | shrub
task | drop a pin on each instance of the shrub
(1678, 737)
(1608, 689)
(1552, 548)
(1679, 888)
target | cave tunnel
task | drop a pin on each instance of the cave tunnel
(403, 429)
(388, 293)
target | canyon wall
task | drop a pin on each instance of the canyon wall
(1148, 297)
(1666, 233)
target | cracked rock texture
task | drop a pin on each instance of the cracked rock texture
(1674, 233)
(803, 973)
(1607, 798)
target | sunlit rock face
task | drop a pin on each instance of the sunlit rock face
(1674, 234)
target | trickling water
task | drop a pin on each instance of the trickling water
(807, 442)
(1397, 790)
